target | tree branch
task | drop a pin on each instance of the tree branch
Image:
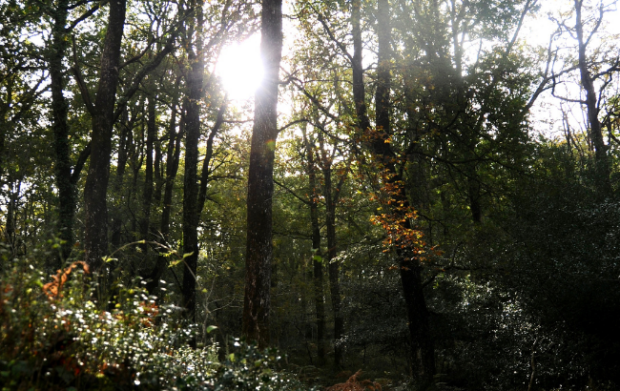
(141, 74)
(291, 192)
(79, 164)
(331, 35)
(83, 17)
(88, 102)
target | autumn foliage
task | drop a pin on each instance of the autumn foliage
(397, 217)
(353, 384)
(53, 289)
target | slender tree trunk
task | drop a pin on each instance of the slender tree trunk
(473, 191)
(334, 267)
(147, 195)
(204, 175)
(10, 224)
(359, 94)
(66, 188)
(410, 268)
(382, 94)
(95, 190)
(603, 167)
(259, 248)
(423, 353)
(191, 215)
(172, 165)
(117, 186)
(158, 171)
(317, 261)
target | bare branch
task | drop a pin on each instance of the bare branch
(83, 17)
(88, 102)
(306, 202)
(293, 123)
(342, 48)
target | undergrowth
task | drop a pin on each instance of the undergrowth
(55, 336)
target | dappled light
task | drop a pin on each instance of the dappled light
(360, 195)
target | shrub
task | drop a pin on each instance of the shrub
(56, 336)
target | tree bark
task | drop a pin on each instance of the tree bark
(259, 248)
(423, 354)
(117, 186)
(191, 215)
(60, 127)
(204, 175)
(147, 195)
(173, 153)
(359, 95)
(95, 190)
(334, 267)
(317, 261)
(602, 165)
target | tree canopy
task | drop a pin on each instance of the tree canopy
(426, 190)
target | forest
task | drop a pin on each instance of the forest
(415, 195)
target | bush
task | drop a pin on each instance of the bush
(55, 336)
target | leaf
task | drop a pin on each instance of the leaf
(174, 263)
(211, 328)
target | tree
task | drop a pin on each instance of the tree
(603, 168)
(259, 249)
(102, 112)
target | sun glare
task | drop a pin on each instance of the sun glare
(240, 68)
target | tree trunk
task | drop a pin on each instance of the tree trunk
(334, 267)
(602, 168)
(317, 261)
(410, 269)
(191, 215)
(382, 94)
(259, 248)
(474, 198)
(10, 224)
(117, 186)
(359, 94)
(423, 350)
(204, 175)
(147, 195)
(95, 190)
(172, 165)
(66, 188)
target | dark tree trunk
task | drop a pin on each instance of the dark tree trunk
(11, 215)
(603, 168)
(158, 172)
(334, 267)
(191, 215)
(172, 165)
(317, 261)
(423, 352)
(473, 191)
(382, 94)
(147, 195)
(117, 186)
(60, 127)
(204, 176)
(410, 268)
(359, 94)
(257, 298)
(95, 190)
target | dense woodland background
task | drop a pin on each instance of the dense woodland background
(429, 222)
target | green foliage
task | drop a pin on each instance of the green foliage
(65, 340)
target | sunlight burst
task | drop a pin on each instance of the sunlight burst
(240, 68)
